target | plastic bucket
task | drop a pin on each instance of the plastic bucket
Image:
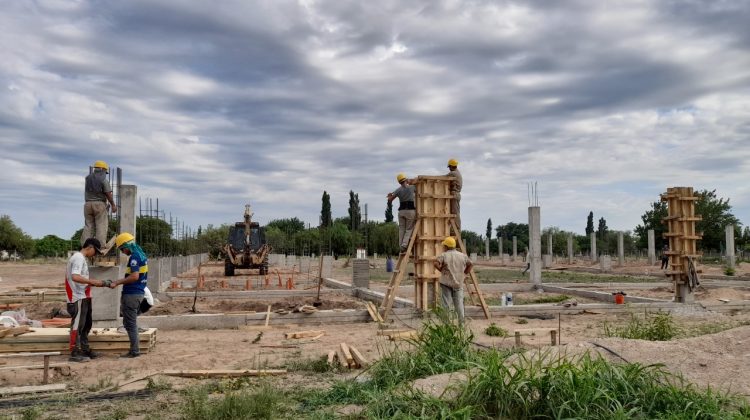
(389, 265)
(619, 298)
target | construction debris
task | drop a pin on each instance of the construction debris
(347, 357)
(305, 334)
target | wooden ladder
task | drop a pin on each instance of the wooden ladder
(397, 276)
(471, 282)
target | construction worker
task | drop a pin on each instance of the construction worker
(407, 212)
(456, 186)
(453, 266)
(97, 193)
(78, 293)
(133, 288)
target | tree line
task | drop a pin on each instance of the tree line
(341, 236)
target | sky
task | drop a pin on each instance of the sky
(208, 106)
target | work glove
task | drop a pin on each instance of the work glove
(106, 283)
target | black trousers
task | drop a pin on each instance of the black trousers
(80, 324)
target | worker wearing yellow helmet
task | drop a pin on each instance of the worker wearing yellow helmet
(133, 288)
(407, 211)
(453, 265)
(97, 193)
(456, 186)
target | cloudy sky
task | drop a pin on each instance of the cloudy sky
(211, 105)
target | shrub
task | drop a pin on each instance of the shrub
(494, 331)
(656, 327)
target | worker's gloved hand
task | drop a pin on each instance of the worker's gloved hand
(106, 283)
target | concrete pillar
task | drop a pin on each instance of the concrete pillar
(154, 274)
(327, 266)
(620, 249)
(594, 255)
(165, 275)
(473, 257)
(487, 248)
(128, 198)
(570, 249)
(730, 246)
(546, 261)
(500, 246)
(515, 248)
(605, 262)
(105, 302)
(549, 244)
(651, 247)
(174, 269)
(535, 247)
(361, 273)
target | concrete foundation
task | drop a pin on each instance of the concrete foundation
(535, 247)
(620, 249)
(731, 259)
(105, 302)
(651, 247)
(594, 255)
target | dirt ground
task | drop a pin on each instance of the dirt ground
(718, 360)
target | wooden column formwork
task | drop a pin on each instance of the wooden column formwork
(682, 236)
(433, 201)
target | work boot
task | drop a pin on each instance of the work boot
(78, 356)
(90, 354)
(129, 355)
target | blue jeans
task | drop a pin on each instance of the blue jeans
(129, 305)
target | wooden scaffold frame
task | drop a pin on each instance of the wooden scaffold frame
(434, 223)
(682, 236)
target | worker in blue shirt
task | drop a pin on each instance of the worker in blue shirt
(133, 288)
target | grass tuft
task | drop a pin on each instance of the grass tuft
(495, 331)
(262, 403)
(653, 327)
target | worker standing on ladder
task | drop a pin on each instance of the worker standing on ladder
(407, 211)
(98, 192)
(456, 186)
(453, 265)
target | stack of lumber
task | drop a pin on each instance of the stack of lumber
(373, 311)
(347, 357)
(57, 339)
(14, 331)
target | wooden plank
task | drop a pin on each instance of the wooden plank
(348, 355)
(218, 373)
(342, 359)
(268, 315)
(16, 390)
(394, 331)
(29, 354)
(303, 334)
(331, 357)
(358, 357)
(403, 335)
(51, 365)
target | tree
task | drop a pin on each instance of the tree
(52, 246)
(389, 212)
(12, 238)
(325, 211)
(154, 235)
(511, 229)
(355, 212)
(340, 239)
(602, 230)
(473, 241)
(489, 228)
(288, 226)
(652, 219)
(590, 223)
(212, 239)
(716, 214)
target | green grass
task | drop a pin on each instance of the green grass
(513, 275)
(729, 271)
(545, 298)
(653, 327)
(265, 402)
(314, 365)
(495, 331)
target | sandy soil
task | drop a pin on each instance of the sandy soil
(25, 274)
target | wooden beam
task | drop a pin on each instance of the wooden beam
(358, 357)
(303, 334)
(15, 390)
(218, 373)
(348, 355)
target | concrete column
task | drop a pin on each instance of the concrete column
(730, 246)
(165, 275)
(128, 198)
(515, 248)
(570, 249)
(327, 266)
(620, 249)
(473, 257)
(594, 255)
(651, 247)
(549, 244)
(535, 247)
(605, 262)
(154, 274)
(361, 273)
(105, 302)
(500, 246)
(487, 248)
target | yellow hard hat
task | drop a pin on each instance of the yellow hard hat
(123, 238)
(453, 162)
(101, 164)
(400, 177)
(450, 242)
